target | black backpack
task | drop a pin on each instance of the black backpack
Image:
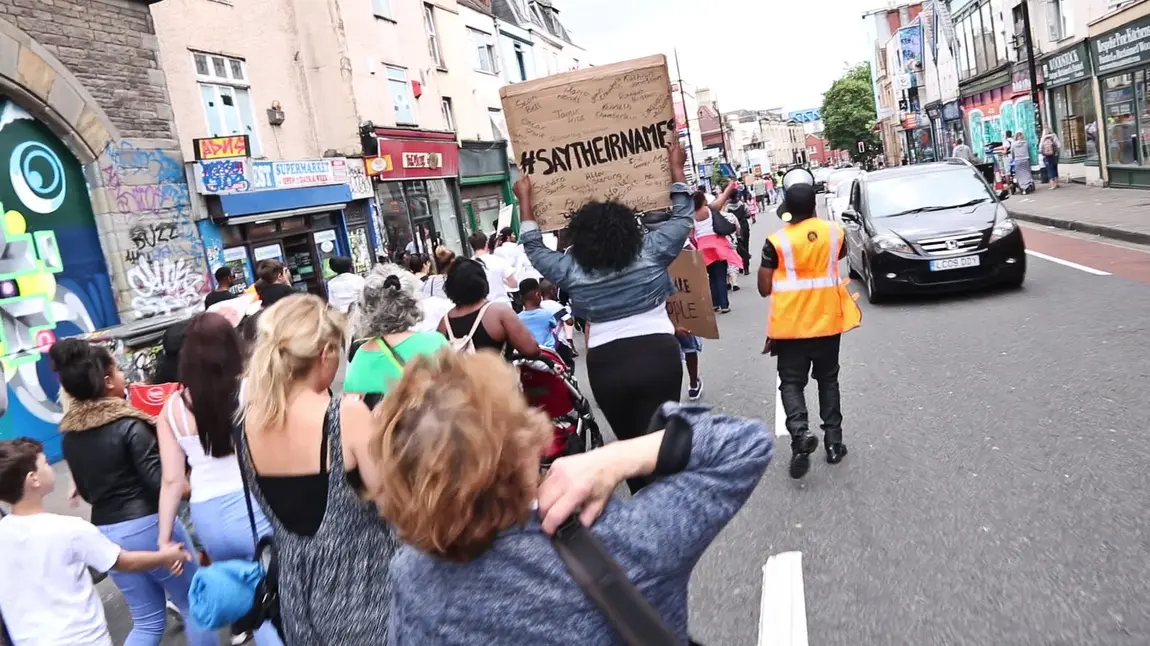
(722, 226)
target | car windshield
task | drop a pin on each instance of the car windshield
(844, 189)
(923, 192)
(840, 177)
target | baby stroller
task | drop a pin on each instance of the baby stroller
(551, 387)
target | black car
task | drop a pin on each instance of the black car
(931, 226)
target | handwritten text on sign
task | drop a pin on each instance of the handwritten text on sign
(594, 134)
(690, 306)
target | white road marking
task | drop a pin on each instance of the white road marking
(780, 414)
(783, 611)
(1072, 265)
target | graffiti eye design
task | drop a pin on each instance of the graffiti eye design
(37, 176)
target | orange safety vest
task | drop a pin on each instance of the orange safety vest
(808, 297)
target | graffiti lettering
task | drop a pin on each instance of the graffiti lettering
(149, 236)
(224, 175)
(164, 287)
(222, 147)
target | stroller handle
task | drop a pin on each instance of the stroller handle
(517, 358)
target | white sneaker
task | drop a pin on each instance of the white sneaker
(238, 640)
(696, 391)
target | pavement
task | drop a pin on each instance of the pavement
(1122, 214)
(995, 487)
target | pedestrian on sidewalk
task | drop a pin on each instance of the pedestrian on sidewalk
(1051, 148)
(478, 565)
(195, 430)
(305, 453)
(48, 597)
(619, 282)
(808, 318)
(962, 151)
(114, 457)
(718, 252)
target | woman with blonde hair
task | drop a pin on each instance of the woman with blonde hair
(305, 453)
(458, 453)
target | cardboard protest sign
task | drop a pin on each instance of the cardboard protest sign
(690, 307)
(594, 134)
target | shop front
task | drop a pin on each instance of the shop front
(996, 104)
(919, 140)
(485, 175)
(416, 177)
(1070, 101)
(951, 131)
(1121, 59)
(297, 212)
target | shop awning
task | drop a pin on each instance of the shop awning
(268, 205)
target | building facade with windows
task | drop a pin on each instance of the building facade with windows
(1119, 44)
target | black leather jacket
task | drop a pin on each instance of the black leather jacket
(116, 468)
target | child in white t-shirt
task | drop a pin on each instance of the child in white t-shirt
(48, 596)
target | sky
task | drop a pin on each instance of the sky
(754, 54)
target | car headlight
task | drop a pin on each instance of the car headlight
(1002, 229)
(890, 242)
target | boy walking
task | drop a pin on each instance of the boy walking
(49, 555)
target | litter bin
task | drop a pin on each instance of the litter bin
(987, 171)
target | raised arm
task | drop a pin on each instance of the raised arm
(555, 265)
(722, 200)
(666, 242)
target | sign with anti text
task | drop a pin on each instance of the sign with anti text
(690, 306)
(594, 134)
(221, 147)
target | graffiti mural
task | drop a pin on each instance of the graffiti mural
(163, 258)
(224, 176)
(54, 280)
(989, 122)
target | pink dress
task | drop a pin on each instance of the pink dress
(715, 247)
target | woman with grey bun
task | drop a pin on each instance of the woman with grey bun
(386, 327)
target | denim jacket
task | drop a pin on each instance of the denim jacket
(601, 296)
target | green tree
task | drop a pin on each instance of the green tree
(848, 114)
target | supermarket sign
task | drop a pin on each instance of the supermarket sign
(229, 176)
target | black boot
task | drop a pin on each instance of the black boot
(836, 452)
(802, 447)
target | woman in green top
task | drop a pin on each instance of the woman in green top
(386, 317)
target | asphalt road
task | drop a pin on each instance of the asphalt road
(995, 491)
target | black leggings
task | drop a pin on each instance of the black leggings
(631, 378)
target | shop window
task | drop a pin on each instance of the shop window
(1121, 126)
(429, 26)
(226, 96)
(293, 224)
(1074, 120)
(381, 8)
(323, 221)
(393, 212)
(1141, 81)
(402, 100)
(448, 113)
(486, 58)
(442, 204)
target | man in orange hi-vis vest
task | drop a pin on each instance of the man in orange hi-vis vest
(810, 310)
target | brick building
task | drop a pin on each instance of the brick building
(820, 154)
(97, 226)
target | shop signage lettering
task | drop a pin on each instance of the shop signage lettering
(1123, 47)
(1066, 67)
(422, 160)
(222, 176)
(220, 147)
(597, 133)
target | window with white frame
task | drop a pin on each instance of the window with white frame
(486, 56)
(433, 47)
(520, 63)
(402, 99)
(1058, 20)
(448, 113)
(381, 8)
(226, 96)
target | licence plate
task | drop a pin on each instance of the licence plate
(954, 263)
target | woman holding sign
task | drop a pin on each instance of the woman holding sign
(619, 283)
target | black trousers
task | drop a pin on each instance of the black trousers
(799, 359)
(631, 378)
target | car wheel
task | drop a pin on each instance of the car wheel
(873, 293)
(851, 270)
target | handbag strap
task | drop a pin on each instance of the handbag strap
(605, 583)
(391, 351)
(238, 432)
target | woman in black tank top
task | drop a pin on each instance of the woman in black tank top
(488, 326)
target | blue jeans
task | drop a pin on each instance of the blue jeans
(146, 592)
(223, 527)
(1051, 167)
(717, 273)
